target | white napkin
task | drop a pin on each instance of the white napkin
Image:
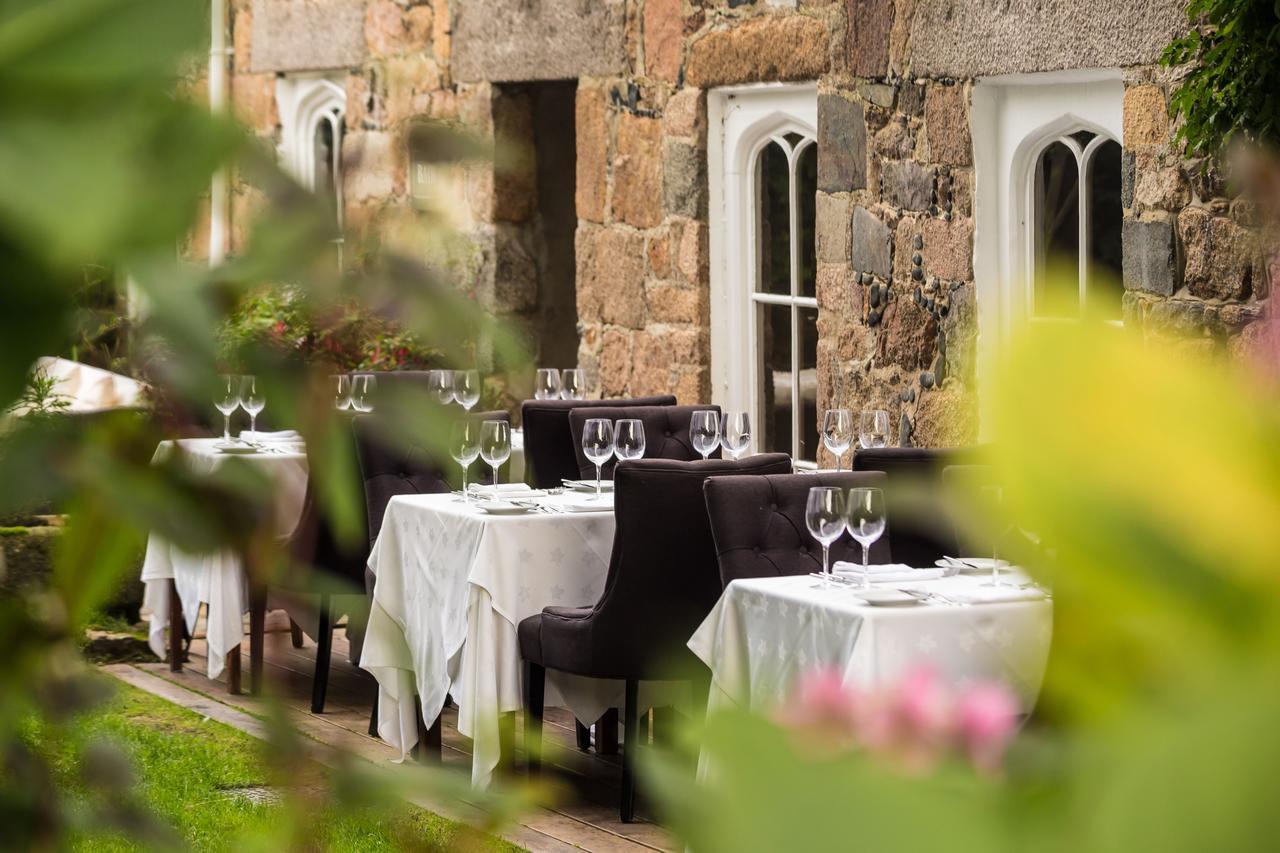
(588, 504)
(887, 572)
(501, 489)
(281, 435)
(995, 594)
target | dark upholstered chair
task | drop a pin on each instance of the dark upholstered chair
(759, 530)
(663, 581)
(666, 433)
(922, 527)
(549, 450)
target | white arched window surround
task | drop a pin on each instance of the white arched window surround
(742, 122)
(305, 104)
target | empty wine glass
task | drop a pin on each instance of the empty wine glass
(341, 391)
(495, 445)
(573, 384)
(628, 439)
(824, 516)
(597, 445)
(227, 400)
(873, 428)
(736, 433)
(837, 432)
(864, 514)
(993, 500)
(363, 388)
(252, 401)
(546, 384)
(441, 384)
(464, 447)
(466, 388)
(704, 431)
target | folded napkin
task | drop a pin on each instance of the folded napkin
(501, 489)
(281, 435)
(887, 572)
(995, 594)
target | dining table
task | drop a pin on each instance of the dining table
(453, 581)
(765, 633)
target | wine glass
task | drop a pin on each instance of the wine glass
(363, 388)
(464, 447)
(441, 384)
(992, 501)
(737, 433)
(495, 445)
(628, 439)
(252, 401)
(873, 428)
(227, 400)
(837, 432)
(547, 384)
(341, 391)
(597, 444)
(704, 432)
(466, 388)
(824, 516)
(864, 514)
(573, 384)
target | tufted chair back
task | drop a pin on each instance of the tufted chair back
(923, 529)
(759, 530)
(666, 433)
(390, 468)
(549, 452)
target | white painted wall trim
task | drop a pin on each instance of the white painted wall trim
(303, 102)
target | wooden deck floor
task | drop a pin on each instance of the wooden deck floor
(585, 819)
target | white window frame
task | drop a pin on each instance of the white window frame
(742, 121)
(304, 103)
(1014, 119)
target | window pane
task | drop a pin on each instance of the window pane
(1057, 287)
(774, 180)
(1105, 286)
(775, 377)
(807, 191)
(324, 148)
(808, 344)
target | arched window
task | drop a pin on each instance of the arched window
(311, 117)
(1076, 229)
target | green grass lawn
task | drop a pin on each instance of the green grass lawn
(184, 765)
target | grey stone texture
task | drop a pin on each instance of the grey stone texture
(684, 180)
(869, 241)
(303, 35)
(515, 40)
(907, 184)
(970, 39)
(1150, 262)
(842, 145)
(832, 215)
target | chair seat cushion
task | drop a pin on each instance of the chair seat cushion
(557, 629)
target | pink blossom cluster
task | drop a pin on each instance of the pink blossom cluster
(915, 723)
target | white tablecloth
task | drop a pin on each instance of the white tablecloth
(216, 580)
(452, 585)
(764, 633)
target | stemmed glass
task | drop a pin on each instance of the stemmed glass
(227, 400)
(704, 432)
(341, 391)
(628, 439)
(252, 401)
(466, 388)
(597, 444)
(992, 499)
(864, 513)
(363, 388)
(873, 428)
(441, 384)
(737, 433)
(464, 447)
(824, 516)
(573, 384)
(837, 432)
(547, 384)
(495, 445)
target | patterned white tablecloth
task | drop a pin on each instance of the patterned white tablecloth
(217, 580)
(453, 583)
(764, 633)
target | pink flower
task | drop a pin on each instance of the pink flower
(988, 718)
(824, 699)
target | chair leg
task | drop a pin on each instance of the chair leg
(607, 733)
(295, 634)
(630, 745)
(324, 651)
(373, 718)
(257, 633)
(584, 734)
(535, 684)
(177, 627)
(429, 747)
